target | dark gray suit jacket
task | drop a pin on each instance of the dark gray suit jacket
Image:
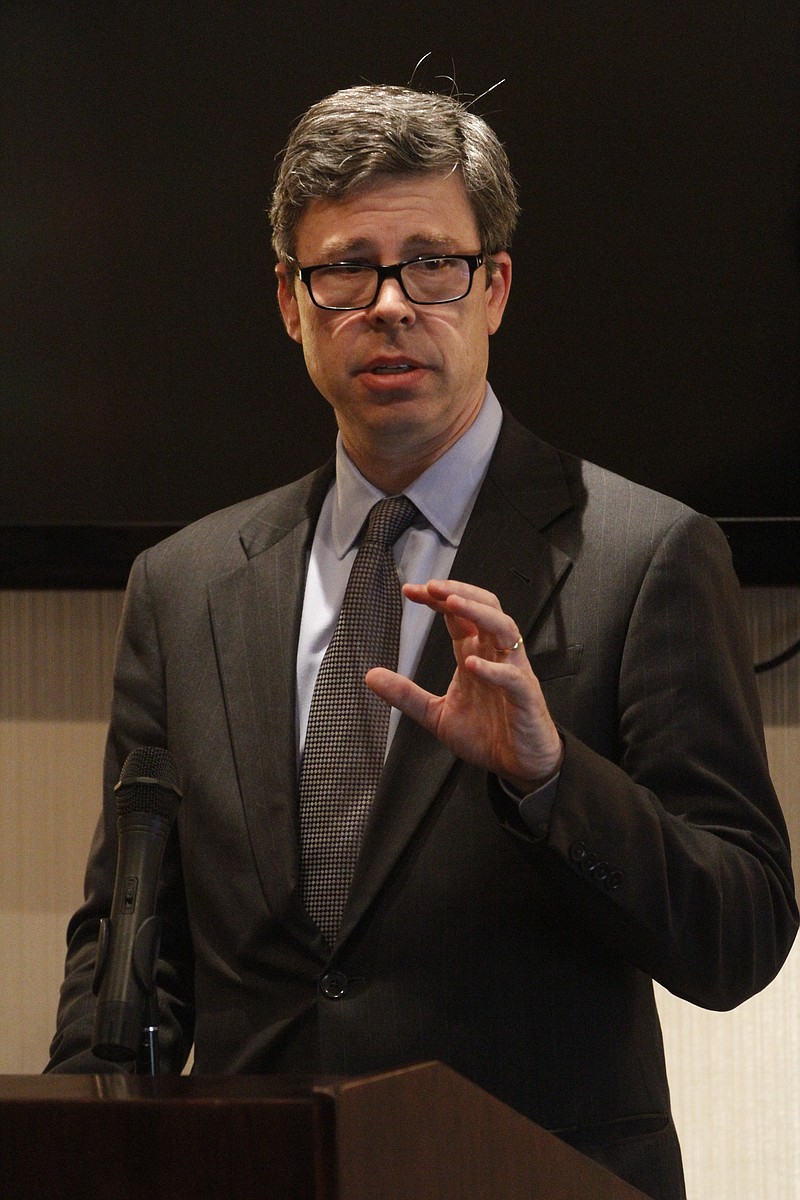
(522, 957)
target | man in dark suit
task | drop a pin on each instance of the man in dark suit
(582, 806)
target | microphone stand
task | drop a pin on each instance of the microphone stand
(146, 949)
(148, 1062)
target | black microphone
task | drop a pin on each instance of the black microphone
(148, 797)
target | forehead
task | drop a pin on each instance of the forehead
(394, 215)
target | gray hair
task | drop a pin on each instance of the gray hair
(350, 139)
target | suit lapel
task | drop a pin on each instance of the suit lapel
(255, 614)
(504, 551)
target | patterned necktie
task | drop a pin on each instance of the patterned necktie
(347, 724)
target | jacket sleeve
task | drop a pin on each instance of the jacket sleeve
(674, 851)
(138, 719)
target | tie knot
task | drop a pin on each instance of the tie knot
(388, 519)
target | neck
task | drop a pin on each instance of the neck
(390, 477)
(393, 463)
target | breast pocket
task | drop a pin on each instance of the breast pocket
(554, 664)
(556, 671)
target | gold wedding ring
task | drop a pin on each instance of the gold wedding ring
(511, 649)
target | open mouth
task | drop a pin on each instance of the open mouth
(393, 368)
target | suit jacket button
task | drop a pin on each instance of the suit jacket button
(334, 985)
(577, 851)
(602, 872)
(613, 881)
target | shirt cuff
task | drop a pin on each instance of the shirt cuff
(535, 808)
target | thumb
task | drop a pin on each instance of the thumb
(402, 694)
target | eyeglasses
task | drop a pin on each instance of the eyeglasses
(345, 286)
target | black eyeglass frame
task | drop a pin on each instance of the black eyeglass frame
(473, 261)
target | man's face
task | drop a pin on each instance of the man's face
(405, 380)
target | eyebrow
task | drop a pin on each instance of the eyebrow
(343, 250)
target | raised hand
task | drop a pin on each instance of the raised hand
(493, 713)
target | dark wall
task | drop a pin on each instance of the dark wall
(654, 318)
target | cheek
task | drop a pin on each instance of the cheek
(470, 338)
(327, 340)
(314, 362)
(452, 335)
(324, 354)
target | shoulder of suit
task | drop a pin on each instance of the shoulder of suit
(600, 500)
(214, 542)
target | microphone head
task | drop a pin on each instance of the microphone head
(149, 782)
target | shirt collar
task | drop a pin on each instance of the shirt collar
(444, 493)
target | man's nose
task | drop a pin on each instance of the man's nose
(391, 306)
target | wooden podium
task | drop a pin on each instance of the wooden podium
(419, 1133)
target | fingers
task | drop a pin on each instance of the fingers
(476, 610)
(436, 592)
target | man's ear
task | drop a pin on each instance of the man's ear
(287, 302)
(498, 289)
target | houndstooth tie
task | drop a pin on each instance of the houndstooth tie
(347, 724)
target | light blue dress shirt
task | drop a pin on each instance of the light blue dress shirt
(444, 494)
